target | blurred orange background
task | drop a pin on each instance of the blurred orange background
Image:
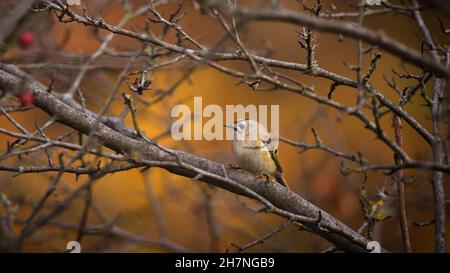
(313, 174)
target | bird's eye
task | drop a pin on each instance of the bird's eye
(241, 126)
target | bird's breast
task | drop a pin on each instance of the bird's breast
(253, 157)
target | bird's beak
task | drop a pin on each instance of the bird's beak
(230, 126)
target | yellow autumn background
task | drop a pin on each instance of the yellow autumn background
(193, 212)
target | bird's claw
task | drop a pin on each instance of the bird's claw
(234, 167)
(266, 177)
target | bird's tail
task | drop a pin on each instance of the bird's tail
(280, 179)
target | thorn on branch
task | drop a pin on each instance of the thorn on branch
(82, 100)
(369, 49)
(331, 91)
(253, 84)
(424, 224)
(316, 137)
(197, 177)
(444, 30)
(128, 100)
(306, 41)
(351, 67)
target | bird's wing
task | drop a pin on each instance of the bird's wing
(271, 145)
(271, 142)
(280, 175)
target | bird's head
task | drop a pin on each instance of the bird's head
(245, 129)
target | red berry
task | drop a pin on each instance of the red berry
(26, 98)
(26, 39)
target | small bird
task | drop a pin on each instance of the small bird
(255, 150)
